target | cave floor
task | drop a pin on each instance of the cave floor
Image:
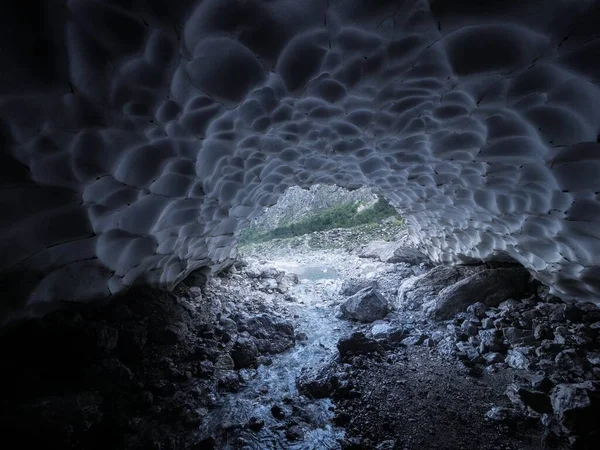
(416, 400)
(410, 397)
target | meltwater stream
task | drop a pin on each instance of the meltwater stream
(275, 385)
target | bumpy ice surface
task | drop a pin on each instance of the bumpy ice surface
(139, 137)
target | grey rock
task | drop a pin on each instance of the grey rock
(517, 360)
(489, 287)
(357, 344)
(516, 337)
(535, 403)
(271, 334)
(225, 362)
(353, 285)
(408, 255)
(493, 358)
(576, 406)
(416, 339)
(244, 353)
(490, 341)
(594, 358)
(417, 290)
(366, 305)
(478, 309)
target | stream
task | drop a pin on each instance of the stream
(275, 385)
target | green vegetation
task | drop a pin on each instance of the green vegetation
(341, 216)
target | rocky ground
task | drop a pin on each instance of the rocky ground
(332, 340)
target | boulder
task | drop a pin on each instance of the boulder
(271, 334)
(576, 406)
(535, 403)
(357, 344)
(417, 290)
(244, 353)
(367, 305)
(490, 287)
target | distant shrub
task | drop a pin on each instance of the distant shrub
(340, 216)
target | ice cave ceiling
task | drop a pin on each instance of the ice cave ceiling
(138, 136)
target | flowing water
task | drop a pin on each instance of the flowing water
(276, 384)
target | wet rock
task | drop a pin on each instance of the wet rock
(489, 287)
(229, 380)
(381, 329)
(294, 433)
(469, 328)
(318, 382)
(301, 337)
(487, 323)
(366, 305)
(352, 285)
(244, 353)
(256, 424)
(357, 344)
(64, 418)
(271, 334)
(277, 412)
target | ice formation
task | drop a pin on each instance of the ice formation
(139, 137)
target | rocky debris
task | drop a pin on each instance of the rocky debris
(144, 369)
(489, 287)
(367, 305)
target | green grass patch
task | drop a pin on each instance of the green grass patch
(345, 215)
